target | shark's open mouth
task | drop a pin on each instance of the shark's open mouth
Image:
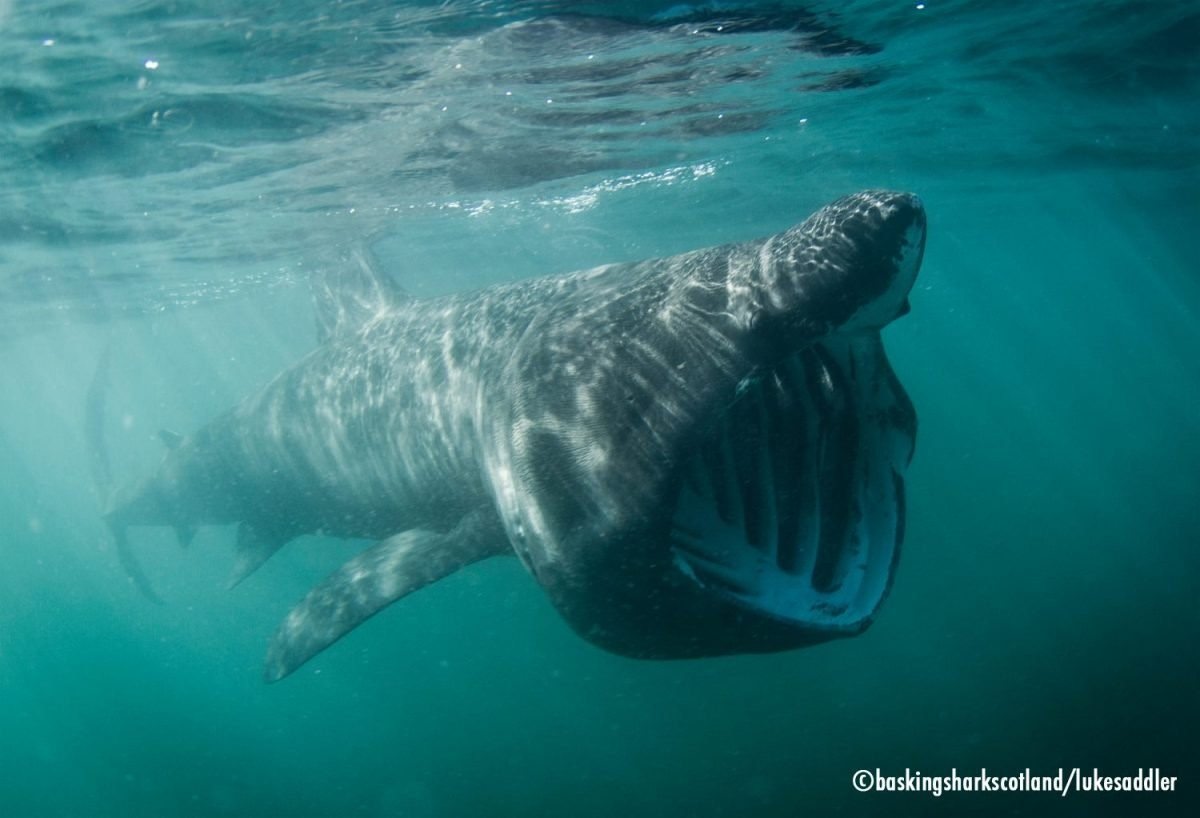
(793, 505)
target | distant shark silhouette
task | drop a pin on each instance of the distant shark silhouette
(695, 455)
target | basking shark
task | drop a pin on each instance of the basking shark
(693, 456)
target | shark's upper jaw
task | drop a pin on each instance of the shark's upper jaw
(793, 506)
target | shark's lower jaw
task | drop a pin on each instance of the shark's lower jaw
(793, 506)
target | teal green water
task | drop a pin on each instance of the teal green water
(1045, 613)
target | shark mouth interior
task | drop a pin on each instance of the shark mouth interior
(793, 505)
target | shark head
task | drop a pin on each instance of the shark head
(718, 467)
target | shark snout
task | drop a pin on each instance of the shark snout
(885, 237)
(846, 269)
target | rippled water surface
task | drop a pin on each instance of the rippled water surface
(172, 172)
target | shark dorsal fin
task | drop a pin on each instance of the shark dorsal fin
(170, 439)
(350, 290)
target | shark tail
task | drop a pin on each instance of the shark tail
(133, 568)
(100, 465)
(95, 405)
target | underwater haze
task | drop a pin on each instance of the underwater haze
(171, 173)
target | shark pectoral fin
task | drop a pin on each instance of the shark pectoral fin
(254, 547)
(133, 568)
(374, 579)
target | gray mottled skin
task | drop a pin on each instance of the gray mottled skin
(561, 419)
